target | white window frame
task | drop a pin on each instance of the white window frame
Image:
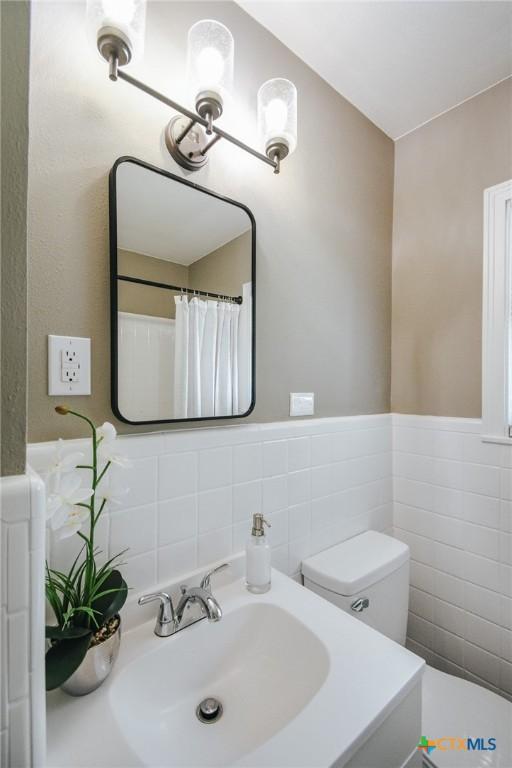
(497, 307)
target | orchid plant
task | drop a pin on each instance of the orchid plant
(87, 598)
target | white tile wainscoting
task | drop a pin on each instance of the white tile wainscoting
(319, 481)
(193, 492)
(453, 507)
(22, 518)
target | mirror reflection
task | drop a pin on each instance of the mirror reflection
(184, 277)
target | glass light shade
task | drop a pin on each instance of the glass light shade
(126, 17)
(277, 113)
(210, 57)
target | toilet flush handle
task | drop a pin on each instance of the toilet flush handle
(360, 604)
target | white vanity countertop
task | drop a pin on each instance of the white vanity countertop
(368, 676)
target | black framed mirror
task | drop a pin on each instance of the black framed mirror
(182, 299)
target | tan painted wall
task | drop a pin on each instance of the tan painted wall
(441, 172)
(323, 224)
(15, 35)
(224, 270)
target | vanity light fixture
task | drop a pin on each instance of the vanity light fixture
(277, 118)
(118, 27)
(210, 54)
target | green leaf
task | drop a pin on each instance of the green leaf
(100, 582)
(66, 633)
(112, 598)
(63, 658)
(53, 596)
(82, 616)
(75, 563)
(107, 566)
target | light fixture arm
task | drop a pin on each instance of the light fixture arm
(185, 131)
(210, 144)
(209, 123)
(115, 73)
(277, 159)
(113, 63)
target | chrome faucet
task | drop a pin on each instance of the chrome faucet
(170, 621)
(203, 596)
(166, 623)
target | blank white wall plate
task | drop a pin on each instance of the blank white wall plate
(69, 365)
(302, 403)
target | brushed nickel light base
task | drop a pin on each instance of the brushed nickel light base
(209, 106)
(115, 48)
(187, 143)
(277, 151)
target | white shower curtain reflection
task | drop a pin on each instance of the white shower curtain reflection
(208, 354)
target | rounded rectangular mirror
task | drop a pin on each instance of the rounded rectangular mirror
(182, 299)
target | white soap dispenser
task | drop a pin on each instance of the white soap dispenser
(257, 557)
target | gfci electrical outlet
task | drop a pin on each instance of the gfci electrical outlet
(302, 403)
(69, 365)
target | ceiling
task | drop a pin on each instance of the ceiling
(400, 63)
(160, 217)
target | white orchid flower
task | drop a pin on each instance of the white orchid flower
(72, 524)
(112, 496)
(62, 462)
(63, 501)
(107, 453)
(107, 432)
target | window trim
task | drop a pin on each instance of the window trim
(497, 305)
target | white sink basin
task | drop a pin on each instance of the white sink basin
(259, 661)
(302, 684)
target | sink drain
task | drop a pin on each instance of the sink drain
(209, 710)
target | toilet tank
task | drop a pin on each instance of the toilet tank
(367, 576)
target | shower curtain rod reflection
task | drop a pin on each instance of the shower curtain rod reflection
(194, 291)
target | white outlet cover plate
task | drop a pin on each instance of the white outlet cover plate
(82, 348)
(302, 403)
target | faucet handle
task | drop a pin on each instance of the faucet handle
(166, 610)
(205, 581)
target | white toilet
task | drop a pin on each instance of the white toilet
(368, 576)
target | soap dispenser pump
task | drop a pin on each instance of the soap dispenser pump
(257, 557)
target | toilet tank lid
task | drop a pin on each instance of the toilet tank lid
(357, 563)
